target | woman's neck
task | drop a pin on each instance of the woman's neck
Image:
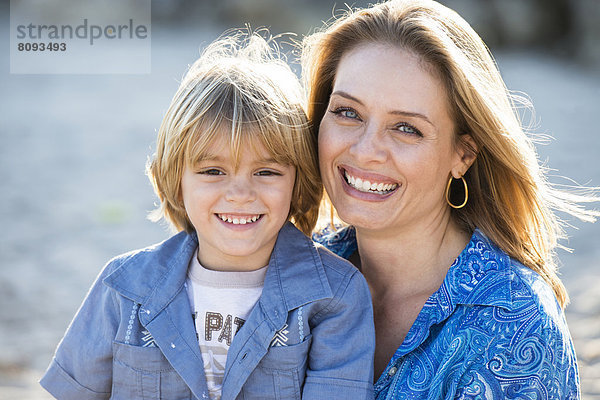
(403, 269)
(411, 262)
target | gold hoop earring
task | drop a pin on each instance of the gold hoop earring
(464, 203)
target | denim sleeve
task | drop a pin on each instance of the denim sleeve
(343, 344)
(82, 365)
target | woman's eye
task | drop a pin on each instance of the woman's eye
(349, 114)
(346, 112)
(211, 171)
(408, 129)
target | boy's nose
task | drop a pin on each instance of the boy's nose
(241, 191)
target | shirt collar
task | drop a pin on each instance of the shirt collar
(479, 268)
(480, 275)
(153, 276)
(295, 276)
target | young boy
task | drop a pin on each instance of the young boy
(239, 304)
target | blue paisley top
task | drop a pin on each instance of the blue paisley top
(492, 330)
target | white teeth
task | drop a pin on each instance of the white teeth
(367, 186)
(238, 220)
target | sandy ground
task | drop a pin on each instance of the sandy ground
(74, 192)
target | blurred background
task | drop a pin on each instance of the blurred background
(73, 148)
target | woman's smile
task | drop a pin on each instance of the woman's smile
(378, 187)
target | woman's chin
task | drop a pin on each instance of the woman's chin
(362, 219)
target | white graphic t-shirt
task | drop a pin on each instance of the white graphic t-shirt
(221, 302)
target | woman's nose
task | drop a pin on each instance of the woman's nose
(240, 190)
(367, 146)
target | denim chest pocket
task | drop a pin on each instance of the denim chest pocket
(280, 374)
(143, 373)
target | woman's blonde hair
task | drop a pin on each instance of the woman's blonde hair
(510, 199)
(241, 90)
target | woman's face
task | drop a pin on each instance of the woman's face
(386, 142)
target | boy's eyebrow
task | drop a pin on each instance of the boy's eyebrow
(207, 157)
(269, 160)
(348, 96)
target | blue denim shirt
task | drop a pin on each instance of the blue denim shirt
(493, 330)
(134, 337)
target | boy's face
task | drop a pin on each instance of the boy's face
(237, 213)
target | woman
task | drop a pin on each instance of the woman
(450, 215)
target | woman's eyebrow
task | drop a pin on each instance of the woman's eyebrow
(348, 96)
(411, 114)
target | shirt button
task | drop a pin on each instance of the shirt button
(392, 371)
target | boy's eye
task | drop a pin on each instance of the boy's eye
(211, 171)
(268, 172)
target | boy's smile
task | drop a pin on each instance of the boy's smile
(237, 208)
(239, 219)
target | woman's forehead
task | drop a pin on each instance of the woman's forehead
(390, 78)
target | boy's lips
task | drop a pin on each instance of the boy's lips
(239, 219)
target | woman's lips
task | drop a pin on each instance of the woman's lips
(367, 186)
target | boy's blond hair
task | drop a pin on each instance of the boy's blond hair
(241, 90)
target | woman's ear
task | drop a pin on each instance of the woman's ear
(466, 150)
